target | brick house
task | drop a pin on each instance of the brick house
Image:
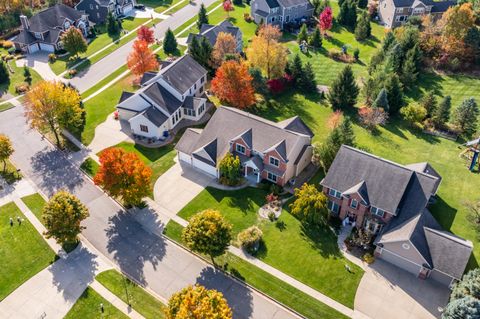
(277, 152)
(390, 201)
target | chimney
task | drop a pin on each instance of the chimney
(24, 21)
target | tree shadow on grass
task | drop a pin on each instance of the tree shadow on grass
(427, 81)
(154, 154)
(321, 239)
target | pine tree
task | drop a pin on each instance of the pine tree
(352, 14)
(296, 68)
(206, 51)
(112, 25)
(194, 50)
(395, 59)
(394, 93)
(388, 42)
(442, 113)
(382, 100)
(302, 34)
(308, 84)
(363, 30)
(409, 72)
(429, 102)
(346, 132)
(4, 74)
(27, 75)
(466, 117)
(316, 39)
(169, 43)
(362, 4)
(202, 16)
(464, 308)
(344, 91)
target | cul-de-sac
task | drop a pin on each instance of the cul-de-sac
(246, 159)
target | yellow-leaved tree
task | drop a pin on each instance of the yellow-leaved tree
(197, 302)
(225, 45)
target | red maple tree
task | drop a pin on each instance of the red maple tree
(227, 6)
(146, 34)
(124, 175)
(233, 84)
(141, 59)
(326, 20)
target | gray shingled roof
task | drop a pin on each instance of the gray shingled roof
(296, 124)
(207, 153)
(190, 139)
(155, 116)
(361, 189)
(162, 98)
(261, 13)
(386, 181)
(437, 6)
(147, 76)
(228, 123)
(211, 32)
(125, 95)
(192, 102)
(183, 73)
(291, 3)
(246, 136)
(272, 3)
(52, 17)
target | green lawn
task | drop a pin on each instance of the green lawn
(90, 167)
(263, 281)
(140, 300)
(192, 20)
(35, 203)
(162, 5)
(23, 251)
(88, 307)
(10, 174)
(16, 78)
(6, 106)
(158, 159)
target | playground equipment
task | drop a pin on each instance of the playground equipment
(471, 152)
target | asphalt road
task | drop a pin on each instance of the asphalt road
(151, 260)
(116, 59)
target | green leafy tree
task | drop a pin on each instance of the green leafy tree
(466, 117)
(4, 74)
(464, 308)
(74, 42)
(316, 39)
(230, 169)
(382, 100)
(394, 93)
(62, 216)
(27, 75)
(413, 113)
(442, 113)
(169, 42)
(112, 25)
(6, 149)
(344, 90)
(202, 16)
(310, 205)
(307, 82)
(302, 34)
(429, 102)
(208, 233)
(363, 30)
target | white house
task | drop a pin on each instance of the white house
(166, 97)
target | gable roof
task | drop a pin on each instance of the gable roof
(207, 153)
(291, 3)
(272, 4)
(296, 124)
(211, 32)
(154, 116)
(147, 76)
(229, 123)
(360, 189)
(246, 137)
(52, 18)
(162, 98)
(437, 6)
(183, 73)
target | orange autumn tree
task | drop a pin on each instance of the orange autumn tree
(225, 44)
(233, 84)
(123, 174)
(146, 34)
(141, 59)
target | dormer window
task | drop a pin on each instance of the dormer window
(274, 161)
(377, 211)
(67, 24)
(354, 204)
(240, 149)
(38, 35)
(334, 193)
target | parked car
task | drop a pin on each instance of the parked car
(140, 7)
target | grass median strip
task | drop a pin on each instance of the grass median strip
(35, 203)
(179, 30)
(265, 282)
(88, 307)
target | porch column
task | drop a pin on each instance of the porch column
(245, 171)
(258, 177)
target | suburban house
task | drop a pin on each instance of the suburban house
(165, 99)
(98, 10)
(280, 12)
(277, 152)
(390, 201)
(43, 30)
(394, 13)
(211, 32)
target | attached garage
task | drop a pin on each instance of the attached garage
(47, 47)
(32, 48)
(209, 169)
(399, 261)
(185, 158)
(440, 277)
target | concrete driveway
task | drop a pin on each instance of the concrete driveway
(39, 62)
(386, 291)
(178, 186)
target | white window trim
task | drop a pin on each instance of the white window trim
(270, 179)
(374, 211)
(274, 158)
(237, 146)
(335, 194)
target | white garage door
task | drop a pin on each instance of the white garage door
(46, 47)
(400, 262)
(211, 170)
(32, 48)
(185, 158)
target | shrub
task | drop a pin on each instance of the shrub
(21, 88)
(356, 54)
(247, 17)
(7, 44)
(250, 238)
(413, 113)
(368, 258)
(340, 56)
(271, 216)
(276, 85)
(271, 198)
(52, 57)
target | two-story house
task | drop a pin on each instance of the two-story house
(165, 99)
(277, 152)
(98, 10)
(390, 201)
(42, 32)
(280, 12)
(211, 32)
(394, 13)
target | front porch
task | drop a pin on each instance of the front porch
(252, 168)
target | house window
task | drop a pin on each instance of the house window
(38, 35)
(354, 203)
(195, 86)
(144, 128)
(377, 211)
(203, 80)
(272, 177)
(334, 193)
(399, 10)
(418, 10)
(272, 19)
(281, 18)
(274, 161)
(98, 15)
(333, 207)
(240, 148)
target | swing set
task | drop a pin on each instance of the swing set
(471, 152)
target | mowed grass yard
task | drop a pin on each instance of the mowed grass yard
(160, 6)
(16, 78)
(310, 255)
(35, 203)
(88, 307)
(23, 251)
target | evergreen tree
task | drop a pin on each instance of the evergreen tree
(202, 16)
(344, 90)
(303, 34)
(352, 14)
(429, 102)
(4, 74)
(468, 286)
(112, 25)
(362, 4)
(206, 50)
(375, 61)
(343, 14)
(27, 75)
(382, 100)
(466, 117)
(394, 93)
(346, 132)
(388, 42)
(195, 50)
(363, 30)
(409, 73)
(258, 81)
(316, 39)
(296, 68)
(442, 113)
(464, 308)
(308, 84)
(395, 59)
(169, 42)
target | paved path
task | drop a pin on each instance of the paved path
(152, 261)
